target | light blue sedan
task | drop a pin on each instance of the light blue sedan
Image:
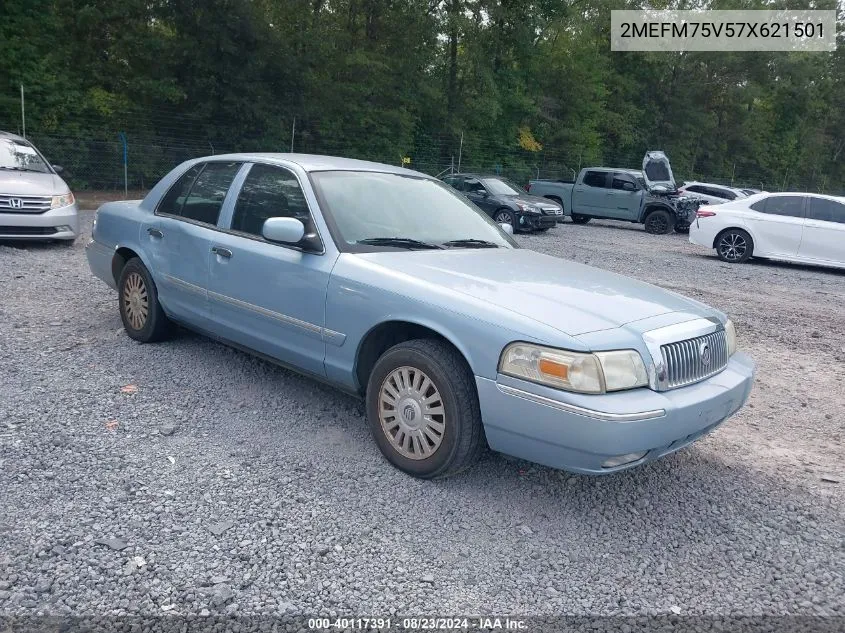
(388, 285)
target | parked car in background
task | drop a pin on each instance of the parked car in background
(751, 192)
(391, 286)
(35, 203)
(713, 194)
(647, 197)
(798, 227)
(506, 202)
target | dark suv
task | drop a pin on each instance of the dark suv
(506, 202)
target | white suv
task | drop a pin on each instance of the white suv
(35, 203)
(714, 194)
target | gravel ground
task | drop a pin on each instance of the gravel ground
(189, 478)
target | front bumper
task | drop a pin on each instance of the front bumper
(534, 222)
(55, 224)
(579, 432)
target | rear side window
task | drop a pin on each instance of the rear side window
(206, 197)
(269, 192)
(792, 206)
(173, 200)
(724, 194)
(695, 189)
(826, 210)
(595, 179)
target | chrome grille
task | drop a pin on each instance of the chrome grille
(13, 203)
(685, 360)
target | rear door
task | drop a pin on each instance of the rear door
(589, 197)
(181, 240)
(266, 296)
(776, 224)
(824, 231)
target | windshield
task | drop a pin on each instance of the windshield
(21, 156)
(370, 211)
(502, 187)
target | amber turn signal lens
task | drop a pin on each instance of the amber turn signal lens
(551, 368)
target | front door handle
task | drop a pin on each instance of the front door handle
(154, 232)
(222, 252)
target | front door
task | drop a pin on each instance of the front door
(269, 297)
(824, 231)
(623, 198)
(589, 197)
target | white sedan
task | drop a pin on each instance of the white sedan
(806, 228)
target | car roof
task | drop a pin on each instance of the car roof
(317, 162)
(472, 175)
(14, 137)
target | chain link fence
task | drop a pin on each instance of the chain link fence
(97, 163)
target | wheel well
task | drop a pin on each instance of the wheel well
(121, 256)
(556, 199)
(733, 228)
(383, 337)
(656, 207)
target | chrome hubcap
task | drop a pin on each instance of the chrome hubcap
(411, 412)
(732, 246)
(136, 303)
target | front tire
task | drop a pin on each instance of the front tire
(734, 246)
(423, 411)
(143, 317)
(580, 219)
(659, 222)
(505, 216)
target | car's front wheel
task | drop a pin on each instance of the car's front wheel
(423, 409)
(734, 246)
(505, 216)
(580, 219)
(142, 315)
(659, 222)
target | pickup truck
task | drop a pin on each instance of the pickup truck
(648, 197)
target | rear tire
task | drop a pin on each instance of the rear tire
(580, 219)
(143, 317)
(423, 411)
(734, 246)
(659, 222)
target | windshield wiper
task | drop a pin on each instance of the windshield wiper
(471, 243)
(37, 171)
(402, 242)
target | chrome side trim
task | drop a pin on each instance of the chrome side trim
(185, 284)
(324, 334)
(589, 413)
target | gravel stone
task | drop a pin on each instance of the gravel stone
(738, 523)
(167, 429)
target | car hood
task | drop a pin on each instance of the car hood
(658, 172)
(30, 183)
(570, 297)
(543, 203)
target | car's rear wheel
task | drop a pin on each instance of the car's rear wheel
(580, 219)
(423, 409)
(734, 246)
(659, 222)
(142, 315)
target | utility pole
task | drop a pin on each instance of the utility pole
(292, 134)
(23, 113)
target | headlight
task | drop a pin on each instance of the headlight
(730, 337)
(527, 208)
(574, 371)
(63, 200)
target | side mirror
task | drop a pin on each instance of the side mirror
(58, 169)
(507, 228)
(283, 230)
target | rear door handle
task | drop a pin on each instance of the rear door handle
(154, 232)
(223, 252)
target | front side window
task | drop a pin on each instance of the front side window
(622, 183)
(206, 196)
(21, 156)
(595, 179)
(269, 192)
(792, 206)
(366, 207)
(472, 185)
(827, 210)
